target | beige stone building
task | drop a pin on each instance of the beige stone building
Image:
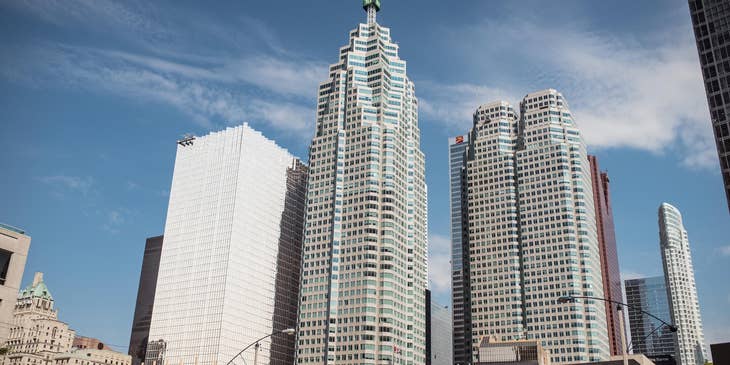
(36, 336)
(14, 246)
(89, 356)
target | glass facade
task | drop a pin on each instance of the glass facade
(364, 274)
(711, 24)
(229, 271)
(648, 335)
(145, 299)
(460, 298)
(440, 335)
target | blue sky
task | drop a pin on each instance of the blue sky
(94, 95)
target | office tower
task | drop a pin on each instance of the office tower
(606, 233)
(459, 251)
(711, 25)
(14, 245)
(648, 335)
(440, 347)
(365, 255)
(684, 307)
(531, 230)
(229, 267)
(720, 353)
(145, 298)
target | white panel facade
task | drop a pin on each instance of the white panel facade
(216, 283)
(684, 306)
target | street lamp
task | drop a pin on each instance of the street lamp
(288, 332)
(619, 306)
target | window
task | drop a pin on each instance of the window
(4, 265)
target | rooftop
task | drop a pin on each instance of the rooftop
(11, 228)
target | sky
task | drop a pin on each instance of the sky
(95, 93)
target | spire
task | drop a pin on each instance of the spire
(371, 7)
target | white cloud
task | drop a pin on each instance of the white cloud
(439, 264)
(642, 94)
(724, 250)
(630, 275)
(75, 183)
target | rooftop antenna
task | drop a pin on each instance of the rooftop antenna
(372, 7)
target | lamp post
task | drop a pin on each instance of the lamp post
(620, 305)
(288, 331)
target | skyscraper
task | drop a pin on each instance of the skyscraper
(364, 272)
(145, 299)
(531, 231)
(680, 279)
(440, 341)
(710, 20)
(648, 335)
(460, 298)
(609, 256)
(229, 267)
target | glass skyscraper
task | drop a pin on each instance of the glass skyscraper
(648, 335)
(145, 300)
(529, 221)
(684, 307)
(711, 24)
(229, 266)
(459, 251)
(364, 274)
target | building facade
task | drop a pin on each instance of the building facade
(711, 24)
(14, 245)
(440, 346)
(648, 335)
(145, 299)
(460, 283)
(531, 230)
(37, 335)
(83, 342)
(365, 241)
(517, 352)
(92, 356)
(232, 237)
(611, 273)
(684, 307)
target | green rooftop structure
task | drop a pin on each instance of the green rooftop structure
(36, 290)
(368, 3)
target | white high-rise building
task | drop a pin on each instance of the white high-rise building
(229, 268)
(364, 273)
(684, 307)
(531, 231)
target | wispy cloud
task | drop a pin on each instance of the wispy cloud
(630, 275)
(439, 264)
(724, 250)
(82, 185)
(642, 94)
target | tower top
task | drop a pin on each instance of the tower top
(371, 7)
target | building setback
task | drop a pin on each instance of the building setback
(145, 299)
(229, 265)
(648, 335)
(609, 255)
(684, 307)
(14, 245)
(364, 273)
(531, 230)
(711, 24)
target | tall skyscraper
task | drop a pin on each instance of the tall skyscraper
(609, 255)
(145, 299)
(14, 245)
(531, 230)
(229, 267)
(711, 23)
(680, 279)
(648, 335)
(460, 298)
(364, 272)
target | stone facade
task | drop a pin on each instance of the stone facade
(89, 356)
(14, 245)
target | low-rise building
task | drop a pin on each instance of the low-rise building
(89, 356)
(83, 342)
(14, 244)
(516, 352)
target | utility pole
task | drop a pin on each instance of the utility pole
(256, 354)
